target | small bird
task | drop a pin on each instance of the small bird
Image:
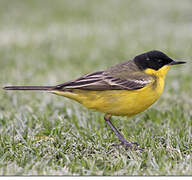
(125, 89)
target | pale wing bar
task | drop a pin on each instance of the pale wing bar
(129, 84)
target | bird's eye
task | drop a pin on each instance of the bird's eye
(147, 59)
(159, 60)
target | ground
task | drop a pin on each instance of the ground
(50, 42)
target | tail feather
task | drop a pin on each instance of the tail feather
(33, 88)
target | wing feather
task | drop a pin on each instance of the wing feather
(125, 77)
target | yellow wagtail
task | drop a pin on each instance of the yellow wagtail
(125, 89)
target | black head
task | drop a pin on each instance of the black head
(154, 60)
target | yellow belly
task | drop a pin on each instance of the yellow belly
(117, 102)
(121, 102)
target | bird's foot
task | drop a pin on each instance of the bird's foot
(128, 145)
(132, 146)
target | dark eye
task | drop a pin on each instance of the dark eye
(159, 60)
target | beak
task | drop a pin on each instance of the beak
(176, 62)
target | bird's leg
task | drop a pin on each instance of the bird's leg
(130, 145)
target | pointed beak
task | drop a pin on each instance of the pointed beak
(176, 62)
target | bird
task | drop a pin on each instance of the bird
(125, 89)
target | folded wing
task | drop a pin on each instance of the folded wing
(124, 76)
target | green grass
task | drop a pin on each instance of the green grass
(50, 42)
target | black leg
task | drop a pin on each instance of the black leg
(131, 145)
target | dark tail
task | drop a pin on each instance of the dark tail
(33, 88)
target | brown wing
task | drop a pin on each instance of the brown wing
(123, 76)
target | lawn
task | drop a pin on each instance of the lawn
(50, 42)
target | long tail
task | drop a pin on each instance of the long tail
(33, 88)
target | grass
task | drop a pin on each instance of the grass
(47, 43)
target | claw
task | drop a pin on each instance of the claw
(132, 145)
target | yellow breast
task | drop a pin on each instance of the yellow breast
(121, 102)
